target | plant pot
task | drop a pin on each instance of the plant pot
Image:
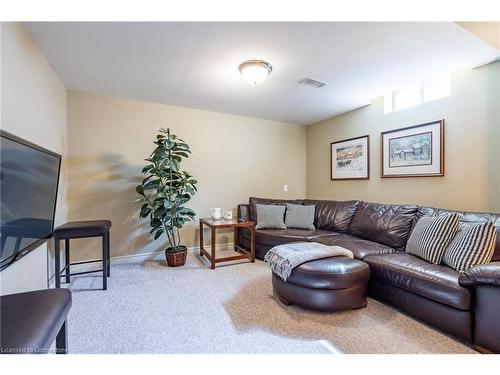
(177, 258)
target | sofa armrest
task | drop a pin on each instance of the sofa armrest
(243, 211)
(483, 274)
(484, 279)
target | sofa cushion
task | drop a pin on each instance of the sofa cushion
(270, 216)
(274, 237)
(252, 201)
(359, 247)
(299, 216)
(467, 218)
(436, 282)
(383, 223)
(333, 215)
(330, 273)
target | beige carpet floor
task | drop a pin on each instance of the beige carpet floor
(150, 308)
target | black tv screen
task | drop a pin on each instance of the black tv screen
(29, 176)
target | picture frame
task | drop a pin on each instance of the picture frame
(414, 151)
(350, 159)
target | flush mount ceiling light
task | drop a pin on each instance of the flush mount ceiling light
(255, 71)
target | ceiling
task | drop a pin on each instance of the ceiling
(195, 64)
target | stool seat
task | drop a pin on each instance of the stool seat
(32, 320)
(82, 229)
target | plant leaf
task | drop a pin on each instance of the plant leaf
(158, 234)
(147, 168)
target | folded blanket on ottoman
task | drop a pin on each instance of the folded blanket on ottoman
(284, 258)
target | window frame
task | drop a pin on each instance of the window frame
(390, 99)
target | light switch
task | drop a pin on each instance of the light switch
(285, 187)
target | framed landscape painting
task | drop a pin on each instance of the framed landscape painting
(415, 151)
(350, 159)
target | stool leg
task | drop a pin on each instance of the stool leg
(17, 246)
(62, 339)
(58, 264)
(109, 254)
(104, 261)
(66, 259)
(2, 242)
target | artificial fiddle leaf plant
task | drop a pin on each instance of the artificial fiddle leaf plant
(166, 189)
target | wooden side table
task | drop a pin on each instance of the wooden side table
(224, 224)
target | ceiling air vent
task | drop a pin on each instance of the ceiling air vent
(312, 83)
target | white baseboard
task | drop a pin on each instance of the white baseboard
(136, 258)
(142, 257)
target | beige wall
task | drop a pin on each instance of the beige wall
(472, 156)
(233, 157)
(33, 103)
(489, 32)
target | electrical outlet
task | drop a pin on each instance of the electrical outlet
(285, 187)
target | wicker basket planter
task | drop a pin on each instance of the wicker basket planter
(176, 259)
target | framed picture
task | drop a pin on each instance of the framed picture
(415, 151)
(350, 159)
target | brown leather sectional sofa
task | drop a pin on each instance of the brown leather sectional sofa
(465, 305)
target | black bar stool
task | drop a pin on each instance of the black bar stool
(82, 229)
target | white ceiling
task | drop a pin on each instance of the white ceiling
(196, 64)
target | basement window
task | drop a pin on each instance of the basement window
(431, 89)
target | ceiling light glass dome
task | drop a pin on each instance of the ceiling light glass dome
(255, 71)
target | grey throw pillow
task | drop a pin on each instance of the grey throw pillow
(270, 216)
(300, 216)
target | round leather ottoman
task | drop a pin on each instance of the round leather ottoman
(330, 284)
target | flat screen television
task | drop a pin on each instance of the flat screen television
(29, 177)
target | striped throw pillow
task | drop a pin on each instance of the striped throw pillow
(431, 236)
(474, 244)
